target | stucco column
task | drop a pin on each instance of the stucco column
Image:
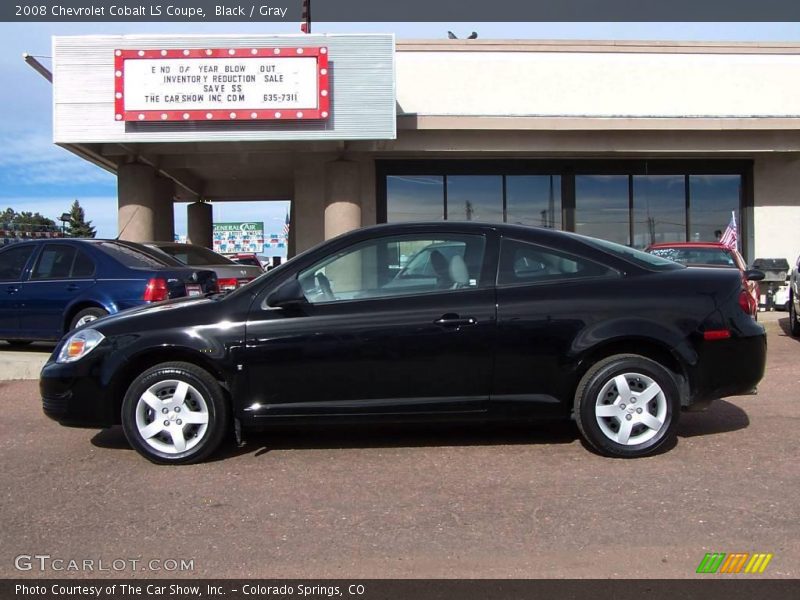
(137, 202)
(200, 219)
(342, 197)
(164, 225)
(342, 214)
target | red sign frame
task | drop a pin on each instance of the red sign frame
(320, 112)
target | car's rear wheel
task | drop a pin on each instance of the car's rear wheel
(87, 315)
(794, 324)
(627, 406)
(175, 413)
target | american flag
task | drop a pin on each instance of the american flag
(730, 237)
(286, 226)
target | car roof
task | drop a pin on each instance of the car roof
(58, 241)
(719, 245)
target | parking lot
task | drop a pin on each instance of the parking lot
(415, 502)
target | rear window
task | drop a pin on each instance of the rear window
(195, 256)
(129, 256)
(637, 257)
(714, 257)
(253, 262)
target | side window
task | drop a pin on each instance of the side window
(521, 262)
(13, 261)
(398, 265)
(83, 267)
(55, 262)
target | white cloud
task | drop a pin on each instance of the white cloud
(31, 158)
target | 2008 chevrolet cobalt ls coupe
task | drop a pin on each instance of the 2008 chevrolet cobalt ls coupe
(447, 321)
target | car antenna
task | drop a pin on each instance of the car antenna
(121, 231)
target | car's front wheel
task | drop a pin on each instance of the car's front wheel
(175, 413)
(627, 406)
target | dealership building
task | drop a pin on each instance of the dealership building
(635, 142)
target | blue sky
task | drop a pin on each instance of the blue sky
(38, 176)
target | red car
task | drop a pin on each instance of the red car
(714, 255)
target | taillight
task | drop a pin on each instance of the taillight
(716, 334)
(156, 290)
(227, 283)
(746, 303)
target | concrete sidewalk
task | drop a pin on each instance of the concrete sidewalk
(25, 362)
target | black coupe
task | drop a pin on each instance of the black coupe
(410, 322)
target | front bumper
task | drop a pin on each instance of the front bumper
(74, 394)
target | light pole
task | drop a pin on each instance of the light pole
(64, 218)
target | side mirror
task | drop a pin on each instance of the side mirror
(290, 293)
(754, 275)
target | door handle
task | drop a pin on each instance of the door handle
(453, 320)
(73, 287)
(12, 289)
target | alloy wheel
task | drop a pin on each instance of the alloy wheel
(172, 416)
(631, 409)
(85, 319)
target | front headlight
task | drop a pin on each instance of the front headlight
(79, 344)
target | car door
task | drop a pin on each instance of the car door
(545, 298)
(369, 342)
(61, 274)
(13, 262)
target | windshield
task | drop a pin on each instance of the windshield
(637, 257)
(715, 257)
(195, 256)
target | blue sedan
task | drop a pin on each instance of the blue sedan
(49, 287)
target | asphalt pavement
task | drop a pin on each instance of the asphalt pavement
(411, 502)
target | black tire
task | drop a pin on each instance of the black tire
(162, 447)
(665, 405)
(19, 343)
(87, 313)
(794, 324)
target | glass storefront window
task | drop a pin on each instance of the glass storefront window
(628, 208)
(601, 207)
(475, 198)
(414, 198)
(534, 200)
(659, 209)
(711, 200)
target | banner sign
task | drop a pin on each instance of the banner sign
(221, 84)
(419, 11)
(230, 238)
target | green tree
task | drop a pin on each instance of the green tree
(29, 221)
(78, 226)
(7, 218)
(26, 221)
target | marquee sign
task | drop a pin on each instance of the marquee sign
(221, 84)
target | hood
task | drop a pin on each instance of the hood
(148, 309)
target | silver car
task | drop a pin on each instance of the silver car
(230, 275)
(794, 299)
